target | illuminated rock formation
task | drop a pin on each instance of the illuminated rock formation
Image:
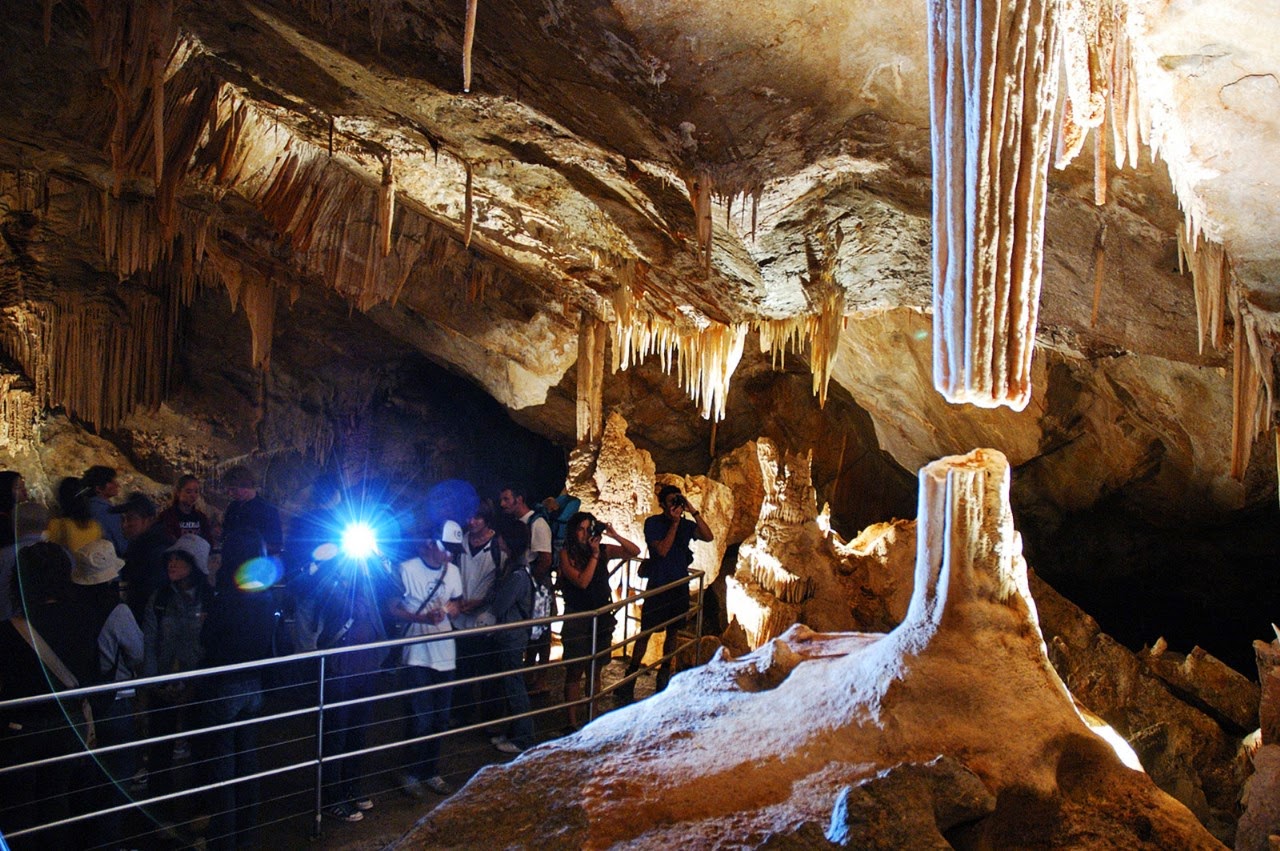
(779, 746)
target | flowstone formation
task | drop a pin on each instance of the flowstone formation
(958, 708)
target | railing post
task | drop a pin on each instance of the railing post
(591, 668)
(315, 831)
(697, 634)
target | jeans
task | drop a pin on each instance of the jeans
(428, 713)
(510, 646)
(344, 732)
(113, 722)
(232, 754)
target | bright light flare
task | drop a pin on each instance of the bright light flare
(359, 541)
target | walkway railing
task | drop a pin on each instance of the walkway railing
(31, 811)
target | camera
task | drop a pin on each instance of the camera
(597, 528)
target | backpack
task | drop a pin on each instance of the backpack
(541, 608)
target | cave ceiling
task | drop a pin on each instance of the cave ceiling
(698, 176)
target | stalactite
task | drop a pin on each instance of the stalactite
(1099, 272)
(468, 41)
(820, 331)
(590, 391)
(993, 83)
(468, 210)
(386, 207)
(700, 189)
(1252, 388)
(1210, 273)
(705, 355)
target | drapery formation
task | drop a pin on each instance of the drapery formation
(993, 79)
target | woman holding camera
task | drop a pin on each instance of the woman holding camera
(584, 577)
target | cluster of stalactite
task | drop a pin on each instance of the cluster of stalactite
(19, 410)
(704, 354)
(993, 81)
(96, 357)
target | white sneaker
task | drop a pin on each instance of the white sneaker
(508, 746)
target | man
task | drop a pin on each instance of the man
(144, 558)
(248, 510)
(512, 501)
(102, 485)
(669, 536)
(432, 592)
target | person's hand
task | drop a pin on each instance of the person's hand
(595, 545)
(433, 616)
(675, 509)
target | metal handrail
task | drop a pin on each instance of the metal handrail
(321, 656)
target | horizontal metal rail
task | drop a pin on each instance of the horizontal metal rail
(320, 705)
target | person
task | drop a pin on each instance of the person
(477, 565)
(669, 536)
(432, 591)
(342, 605)
(319, 523)
(13, 491)
(75, 526)
(513, 503)
(29, 521)
(103, 487)
(183, 515)
(119, 658)
(46, 617)
(248, 510)
(171, 625)
(144, 557)
(238, 629)
(512, 602)
(584, 571)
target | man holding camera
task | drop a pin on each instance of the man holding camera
(669, 536)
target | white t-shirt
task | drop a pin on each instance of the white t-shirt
(478, 572)
(419, 579)
(539, 537)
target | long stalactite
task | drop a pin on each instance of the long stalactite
(993, 81)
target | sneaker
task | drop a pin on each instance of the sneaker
(497, 740)
(363, 805)
(344, 812)
(438, 785)
(411, 786)
(181, 750)
(508, 746)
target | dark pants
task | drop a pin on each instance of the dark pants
(344, 732)
(39, 795)
(428, 713)
(510, 646)
(232, 754)
(476, 701)
(164, 718)
(113, 723)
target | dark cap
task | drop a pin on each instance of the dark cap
(138, 503)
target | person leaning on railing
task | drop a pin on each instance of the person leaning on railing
(584, 576)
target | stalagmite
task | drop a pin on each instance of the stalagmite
(468, 42)
(993, 82)
(590, 407)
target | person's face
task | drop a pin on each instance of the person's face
(582, 532)
(110, 490)
(476, 524)
(507, 502)
(188, 495)
(240, 493)
(132, 524)
(178, 569)
(433, 553)
(674, 504)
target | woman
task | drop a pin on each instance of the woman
(238, 629)
(513, 602)
(477, 565)
(171, 625)
(182, 516)
(584, 578)
(76, 526)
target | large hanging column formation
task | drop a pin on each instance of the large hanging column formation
(993, 80)
(591, 338)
